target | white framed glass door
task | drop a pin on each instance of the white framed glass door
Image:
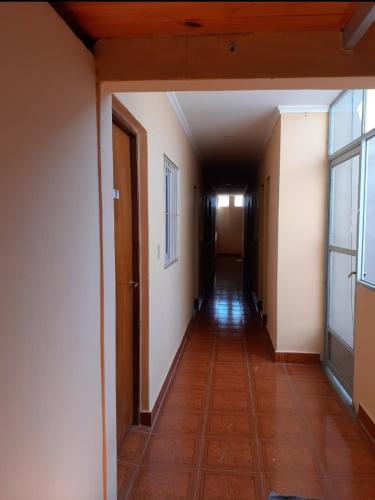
(342, 265)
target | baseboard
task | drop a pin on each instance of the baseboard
(366, 421)
(147, 417)
(303, 358)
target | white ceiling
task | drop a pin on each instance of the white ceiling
(235, 125)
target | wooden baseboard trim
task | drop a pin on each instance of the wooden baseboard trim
(147, 417)
(303, 358)
(366, 421)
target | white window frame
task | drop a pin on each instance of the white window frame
(171, 212)
(361, 143)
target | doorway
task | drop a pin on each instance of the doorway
(127, 280)
(342, 266)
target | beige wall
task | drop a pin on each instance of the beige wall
(50, 418)
(171, 290)
(364, 357)
(229, 227)
(302, 232)
(268, 243)
(291, 281)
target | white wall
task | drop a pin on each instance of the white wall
(50, 388)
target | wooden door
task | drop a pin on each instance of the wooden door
(124, 280)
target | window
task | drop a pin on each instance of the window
(370, 110)
(223, 201)
(171, 211)
(238, 200)
(346, 119)
(368, 249)
(352, 145)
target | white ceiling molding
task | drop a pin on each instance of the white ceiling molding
(314, 108)
(173, 99)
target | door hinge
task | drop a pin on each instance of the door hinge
(116, 194)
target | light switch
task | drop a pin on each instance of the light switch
(158, 251)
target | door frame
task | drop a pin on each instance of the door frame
(138, 161)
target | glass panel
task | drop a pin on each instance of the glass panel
(368, 273)
(370, 109)
(346, 119)
(344, 199)
(223, 201)
(238, 200)
(341, 296)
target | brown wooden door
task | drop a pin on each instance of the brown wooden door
(124, 279)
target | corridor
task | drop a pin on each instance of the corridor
(235, 425)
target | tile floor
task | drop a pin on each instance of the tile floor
(234, 425)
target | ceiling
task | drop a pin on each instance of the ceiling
(95, 20)
(232, 127)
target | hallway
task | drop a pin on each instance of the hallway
(234, 425)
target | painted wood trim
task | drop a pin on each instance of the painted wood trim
(366, 421)
(130, 123)
(147, 418)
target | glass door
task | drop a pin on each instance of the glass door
(342, 266)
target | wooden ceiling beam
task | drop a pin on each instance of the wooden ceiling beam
(359, 24)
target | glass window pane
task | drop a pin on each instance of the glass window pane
(341, 296)
(346, 119)
(238, 200)
(223, 200)
(368, 273)
(370, 109)
(344, 199)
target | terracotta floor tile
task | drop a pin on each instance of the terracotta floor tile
(175, 450)
(304, 486)
(306, 371)
(354, 488)
(208, 443)
(275, 426)
(336, 429)
(156, 483)
(125, 473)
(227, 383)
(179, 422)
(230, 357)
(196, 367)
(230, 454)
(287, 456)
(182, 400)
(268, 370)
(347, 459)
(223, 424)
(189, 382)
(230, 369)
(318, 406)
(314, 386)
(271, 385)
(259, 355)
(277, 404)
(133, 446)
(229, 401)
(230, 346)
(220, 486)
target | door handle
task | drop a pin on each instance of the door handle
(351, 274)
(133, 284)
